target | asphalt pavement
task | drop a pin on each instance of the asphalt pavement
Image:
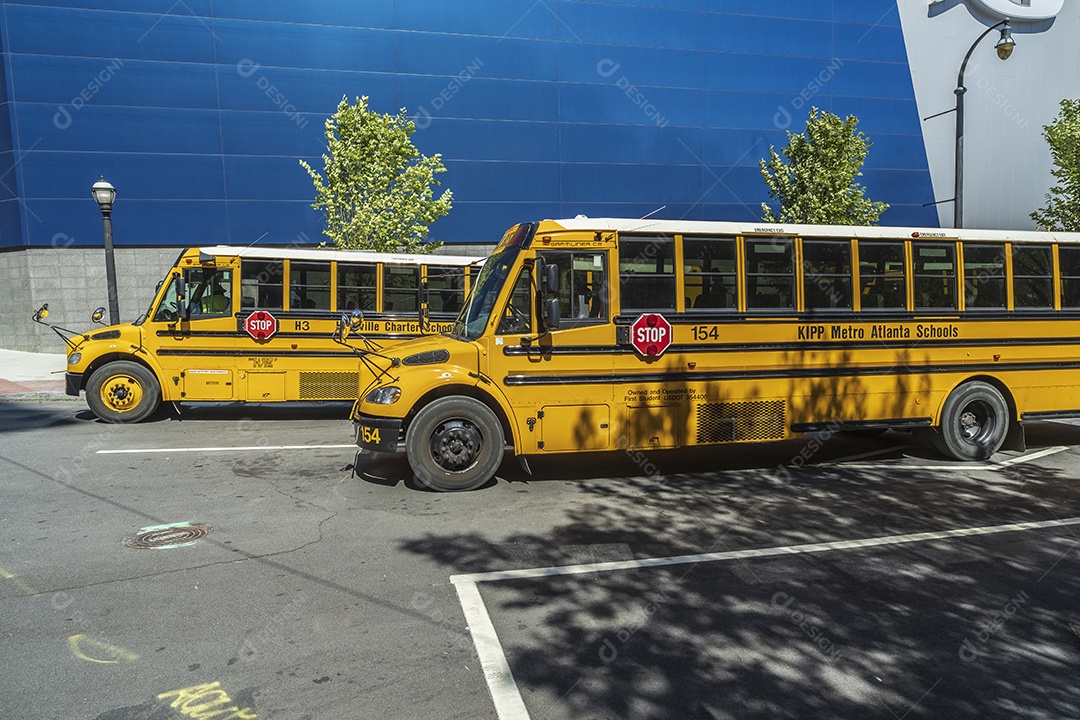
(225, 561)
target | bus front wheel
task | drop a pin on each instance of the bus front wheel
(454, 443)
(123, 392)
(974, 422)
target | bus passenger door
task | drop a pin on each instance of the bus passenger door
(195, 333)
(558, 380)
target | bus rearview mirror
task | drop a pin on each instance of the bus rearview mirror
(355, 319)
(97, 315)
(550, 275)
(181, 298)
(551, 312)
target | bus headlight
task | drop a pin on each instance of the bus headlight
(74, 358)
(384, 396)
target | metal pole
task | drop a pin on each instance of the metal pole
(958, 170)
(110, 268)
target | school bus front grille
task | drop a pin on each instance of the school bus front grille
(734, 421)
(329, 385)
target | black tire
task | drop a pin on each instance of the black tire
(974, 422)
(123, 392)
(454, 443)
(927, 438)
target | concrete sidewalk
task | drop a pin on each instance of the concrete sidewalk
(32, 376)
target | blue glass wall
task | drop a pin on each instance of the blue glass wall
(199, 111)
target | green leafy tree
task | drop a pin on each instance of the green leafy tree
(377, 193)
(814, 181)
(1062, 211)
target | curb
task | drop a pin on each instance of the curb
(44, 395)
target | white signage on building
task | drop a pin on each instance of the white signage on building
(1019, 9)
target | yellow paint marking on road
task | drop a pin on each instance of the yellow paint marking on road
(82, 644)
(17, 582)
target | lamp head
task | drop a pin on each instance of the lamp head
(1005, 43)
(104, 193)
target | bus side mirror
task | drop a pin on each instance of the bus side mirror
(355, 319)
(97, 315)
(343, 328)
(549, 286)
(42, 313)
(181, 298)
(551, 313)
(424, 294)
(550, 277)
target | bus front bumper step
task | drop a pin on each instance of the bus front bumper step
(377, 434)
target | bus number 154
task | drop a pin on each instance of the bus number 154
(705, 332)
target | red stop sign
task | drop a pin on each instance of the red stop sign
(260, 325)
(650, 335)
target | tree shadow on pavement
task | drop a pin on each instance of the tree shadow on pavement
(966, 627)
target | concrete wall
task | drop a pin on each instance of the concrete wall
(72, 282)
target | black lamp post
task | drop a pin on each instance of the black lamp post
(1004, 47)
(105, 193)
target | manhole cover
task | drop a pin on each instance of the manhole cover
(160, 537)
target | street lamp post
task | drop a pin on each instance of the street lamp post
(105, 193)
(1004, 47)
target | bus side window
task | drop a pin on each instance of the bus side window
(647, 272)
(309, 285)
(166, 311)
(935, 276)
(770, 276)
(356, 285)
(827, 274)
(583, 287)
(262, 284)
(1032, 277)
(881, 275)
(984, 276)
(446, 288)
(1069, 258)
(710, 272)
(517, 318)
(209, 290)
(401, 289)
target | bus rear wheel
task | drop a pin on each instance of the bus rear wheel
(974, 422)
(454, 443)
(123, 392)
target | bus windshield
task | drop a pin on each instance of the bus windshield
(481, 301)
(485, 289)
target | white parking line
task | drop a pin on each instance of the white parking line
(1042, 453)
(135, 451)
(989, 467)
(500, 680)
(505, 693)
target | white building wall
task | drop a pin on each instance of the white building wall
(1007, 162)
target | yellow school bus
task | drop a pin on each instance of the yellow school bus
(595, 334)
(257, 325)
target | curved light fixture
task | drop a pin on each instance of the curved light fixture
(1005, 43)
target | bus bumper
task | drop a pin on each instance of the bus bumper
(72, 383)
(377, 434)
